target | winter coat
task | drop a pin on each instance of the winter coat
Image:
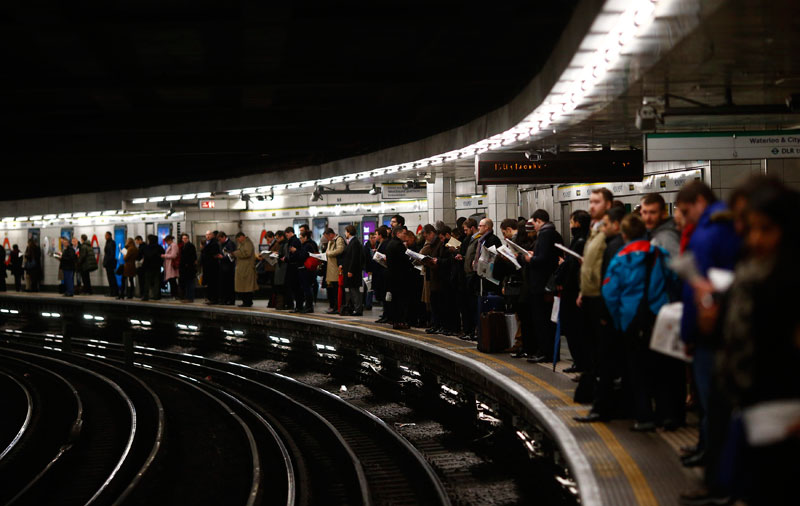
(170, 269)
(188, 260)
(623, 286)
(591, 269)
(16, 262)
(152, 258)
(280, 267)
(398, 264)
(714, 243)
(209, 260)
(87, 262)
(545, 258)
(129, 271)
(68, 259)
(667, 236)
(568, 273)
(110, 254)
(226, 265)
(352, 262)
(246, 280)
(333, 252)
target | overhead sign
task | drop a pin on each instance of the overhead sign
(571, 167)
(722, 145)
(207, 204)
(672, 181)
(398, 191)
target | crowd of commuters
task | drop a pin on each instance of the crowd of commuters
(610, 282)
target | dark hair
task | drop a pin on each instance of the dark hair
(444, 229)
(618, 204)
(615, 214)
(582, 218)
(541, 214)
(169, 237)
(221, 234)
(470, 223)
(350, 230)
(109, 233)
(239, 234)
(151, 239)
(383, 231)
(138, 238)
(398, 230)
(304, 225)
(187, 235)
(690, 192)
(633, 227)
(509, 223)
(280, 233)
(605, 192)
(427, 229)
(270, 234)
(654, 198)
(15, 247)
(460, 222)
(306, 234)
(288, 230)
(399, 219)
(328, 231)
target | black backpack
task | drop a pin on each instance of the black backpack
(641, 327)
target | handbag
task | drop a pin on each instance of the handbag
(311, 264)
(641, 327)
(120, 270)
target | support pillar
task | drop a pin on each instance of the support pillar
(442, 201)
(503, 202)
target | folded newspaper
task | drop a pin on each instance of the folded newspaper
(509, 255)
(485, 264)
(416, 256)
(568, 251)
(453, 243)
(318, 256)
(379, 258)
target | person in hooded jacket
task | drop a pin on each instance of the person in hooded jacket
(624, 290)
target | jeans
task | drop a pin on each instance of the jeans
(69, 282)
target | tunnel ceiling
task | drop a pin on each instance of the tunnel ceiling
(101, 95)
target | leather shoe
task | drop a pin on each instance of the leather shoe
(382, 319)
(519, 354)
(590, 417)
(643, 427)
(702, 497)
(572, 369)
(432, 330)
(537, 359)
(694, 460)
(333, 311)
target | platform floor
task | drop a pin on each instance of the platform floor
(630, 467)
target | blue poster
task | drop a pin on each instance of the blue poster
(163, 230)
(120, 235)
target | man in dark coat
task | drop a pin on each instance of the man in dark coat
(398, 267)
(352, 266)
(227, 270)
(294, 259)
(541, 265)
(210, 255)
(188, 268)
(2, 268)
(487, 240)
(67, 266)
(110, 265)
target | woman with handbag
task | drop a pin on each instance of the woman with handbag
(307, 272)
(171, 259)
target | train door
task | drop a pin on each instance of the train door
(318, 226)
(296, 224)
(369, 224)
(343, 225)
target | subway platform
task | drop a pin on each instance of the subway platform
(628, 467)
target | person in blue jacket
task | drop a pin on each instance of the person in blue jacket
(714, 243)
(623, 291)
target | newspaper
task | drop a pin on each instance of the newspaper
(319, 256)
(516, 247)
(453, 243)
(416, 256)
(485, 264)
(379, 258)
(568, 251)
(509, 255)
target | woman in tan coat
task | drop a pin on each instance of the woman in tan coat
(246, 279)
(129, 270)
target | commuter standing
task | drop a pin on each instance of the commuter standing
(714, 243)
(370, 268)
(16, 267)
(333, 251)
(293, 262)
(352, 266)
(487, 240)
(279, 280)
(129, 269)
(3, 273)
(188, 268)
(87, 263)
(542, 265)
(32, 266)
(398, 268)
(307, 272)
(468, 294)
(209, 258)
(153, 261)
(246, 282)
(67, 266)
(568, 278)
(139, 261)
(171, 261)
(110, 264)
(379, 273)
(227, 270)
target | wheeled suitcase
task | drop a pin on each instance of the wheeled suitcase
(494, 335)
(487, 303)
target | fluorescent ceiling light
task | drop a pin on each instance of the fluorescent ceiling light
(22, 218)
(95, 213)
(140, 200)
(203, 195)
(110, 212)
(65, 215)
(80, 214)
(156, 199)
(36, 218)
(189, 196)
(172, 198)
(50, 216)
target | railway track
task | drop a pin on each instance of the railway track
(304, 445)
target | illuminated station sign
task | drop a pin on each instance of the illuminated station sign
(574, 167)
